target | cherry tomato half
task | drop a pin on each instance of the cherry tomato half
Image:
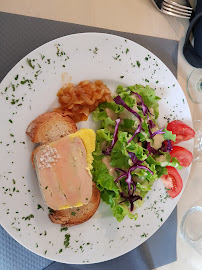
(172, 181)
(183, 155)
(182, 131)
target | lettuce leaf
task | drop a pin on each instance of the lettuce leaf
(105, 134)
(168, 135)
(102, 177)
(112, 106)
(119, 158)
(149, 97)
(164, 160)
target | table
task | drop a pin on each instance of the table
(130, 16)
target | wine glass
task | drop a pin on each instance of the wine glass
(194, 89)
(197, 125)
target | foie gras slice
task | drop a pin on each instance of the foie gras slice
(63, 173)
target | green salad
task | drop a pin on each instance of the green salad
(131, 150)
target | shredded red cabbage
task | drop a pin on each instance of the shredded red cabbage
(129, 180)
(115, 138)
(167, 147)
(149, 147)
(145, 168)
(134, 158)
(119, 101)
(152, 150)
(124, 174)
(150, 123)
(145, 109)
(160, 131)
(138, 130)
(131, 198)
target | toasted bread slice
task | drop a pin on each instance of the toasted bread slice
(49, 127)
(77, 215)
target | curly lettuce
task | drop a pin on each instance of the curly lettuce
(134, 163)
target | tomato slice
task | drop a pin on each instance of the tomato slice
(172, 181)
(182, 131)
(183, 155)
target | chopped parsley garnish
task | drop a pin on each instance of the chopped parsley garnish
(144, 235)
(29, 61)
(67, 238)
(59, 52)
(121, 77)
(61, 250)
(10, 121)
(117, 56)
(73, 213)
(39, 206)
(16, 77)
(26, 80)
(17, 229)
(127, 50)
(42, 56)
(28, 217)
(63, 229)
(138, 63)
(50, 210)
(95, 50)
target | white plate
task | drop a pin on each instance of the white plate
(87, 56)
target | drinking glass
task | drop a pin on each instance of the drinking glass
(194, 85)
(191, 227)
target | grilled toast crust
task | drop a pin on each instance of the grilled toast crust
(77, 215)
(49, 127)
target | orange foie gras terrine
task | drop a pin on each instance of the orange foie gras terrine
(63, 170)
